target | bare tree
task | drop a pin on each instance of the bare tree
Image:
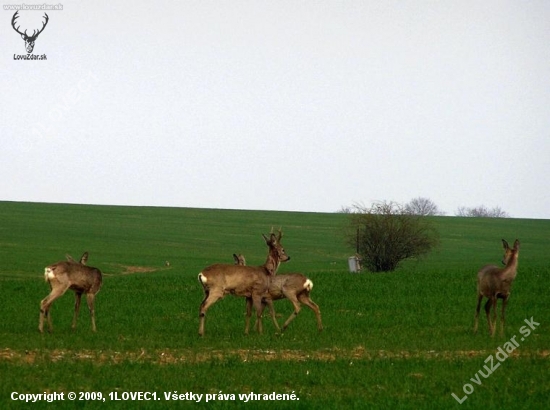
(385, 234)
(423, 207)
(482, 212)
(495, 283)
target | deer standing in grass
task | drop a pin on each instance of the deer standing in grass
(244, 281)
(495, 283)
(292, 286)
(75, 276)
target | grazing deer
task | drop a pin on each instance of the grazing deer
(292, 286)
(495, 283)
(75, 276)
(244, 281)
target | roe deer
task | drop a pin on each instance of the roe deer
(495, 283)
(244, 281)
(75, 276)
(292, 286)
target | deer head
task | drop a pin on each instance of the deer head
(509, 252)
(29, 40)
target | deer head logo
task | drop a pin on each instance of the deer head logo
(29, 40)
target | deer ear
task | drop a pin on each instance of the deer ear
(505, 244)
(516, 244)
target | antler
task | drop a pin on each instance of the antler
(34, 33)
(43, 26)
(273, 236)
(15, 16)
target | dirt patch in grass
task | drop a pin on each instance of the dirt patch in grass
(130, 270)
(178, 356)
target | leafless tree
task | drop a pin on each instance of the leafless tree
(423, 207)
(385, 234)
(482, 212)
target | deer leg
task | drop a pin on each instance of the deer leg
(45, 305)
(502, 318)
(256, 325)
(488, 306)
(257, 301)
(479, 299)
(90, 298)
(77, 297)
(272, 313)
(269, 302)
(305, 299)
(209, 300)
(43, 313)
(248, 314)
(494, 320)
(297, 309)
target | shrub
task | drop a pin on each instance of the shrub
(386, 234)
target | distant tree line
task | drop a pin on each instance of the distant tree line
(482, 212)
(426, 207)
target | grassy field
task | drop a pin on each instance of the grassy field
(397, 340)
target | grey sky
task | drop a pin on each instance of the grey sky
(280, 105)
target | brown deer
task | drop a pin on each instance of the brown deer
(244, 281)
(495, 283)
(292, 286)
(75, 276)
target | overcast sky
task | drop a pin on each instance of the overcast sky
(279, 105)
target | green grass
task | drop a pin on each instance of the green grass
(396, 340)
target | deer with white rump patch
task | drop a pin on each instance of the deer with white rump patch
(244, 281)
(75, 276)
(495, 283)
(292, 286)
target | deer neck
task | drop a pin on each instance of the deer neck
(271, 264)
(510, 271)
